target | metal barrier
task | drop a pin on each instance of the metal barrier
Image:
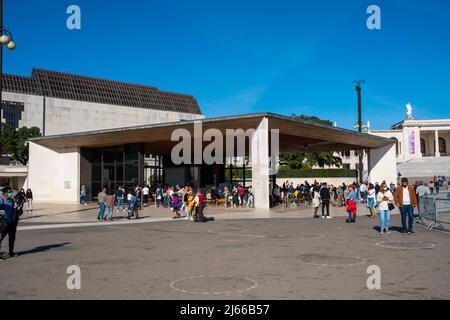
(434, 212)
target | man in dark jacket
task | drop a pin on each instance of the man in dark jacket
(325, 197)
(9, 222)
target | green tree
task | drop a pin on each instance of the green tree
(312, 119)
(293, 160)
(309, 160)
(14, 143)
(323, 159)
(7, 140)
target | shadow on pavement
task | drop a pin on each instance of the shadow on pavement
(44, 248)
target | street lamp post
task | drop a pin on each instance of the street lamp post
(6, 38)
(360, 126)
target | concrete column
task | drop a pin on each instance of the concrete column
(54, 175)
(383, 164)
(436, 143)
(260, 165)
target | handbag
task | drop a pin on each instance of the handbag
(391, 206)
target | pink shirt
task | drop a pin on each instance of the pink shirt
(109, 201)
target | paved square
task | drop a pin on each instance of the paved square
(275, 258)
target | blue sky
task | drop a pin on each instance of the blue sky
(244, 56)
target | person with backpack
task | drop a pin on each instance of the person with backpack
(9, 219)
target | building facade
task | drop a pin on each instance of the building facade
(422, 147)
(60, 103)
(122, 156)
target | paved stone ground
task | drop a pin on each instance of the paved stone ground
(236, 258)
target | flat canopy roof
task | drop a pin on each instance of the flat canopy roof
(295, 135)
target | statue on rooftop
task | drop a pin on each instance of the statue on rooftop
(409, 113)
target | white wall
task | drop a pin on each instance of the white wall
(383, 165)
(49, 170)
(69, 116)
(32, 115)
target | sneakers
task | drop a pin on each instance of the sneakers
(382, 232)
(323, 217)
(411, 233)
(329, 217)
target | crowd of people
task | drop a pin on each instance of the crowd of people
(183, 201)
(381, 198)
(187, 202)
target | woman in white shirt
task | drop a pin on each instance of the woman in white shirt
(385, 199)
(372, 202)
(315, 200)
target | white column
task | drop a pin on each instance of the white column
(260, 165)
(436, 143)
(383, 165)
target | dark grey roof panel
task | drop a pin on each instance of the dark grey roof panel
(80, 88)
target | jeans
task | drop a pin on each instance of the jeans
(101, 213)
(120, 203)
(385, 219)
(83, 199)
(250, 201)
(110, 212)
(407, 213)
(372, 203)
